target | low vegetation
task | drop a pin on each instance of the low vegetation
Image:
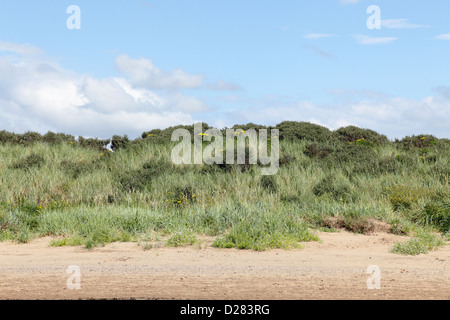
(84, 194)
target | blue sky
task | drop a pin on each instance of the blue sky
(142, 64)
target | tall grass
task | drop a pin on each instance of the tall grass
(88, 195)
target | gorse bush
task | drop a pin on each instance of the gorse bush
(56, 185)
(93, 143)
(119, 142)
(291, 130)
(353, 134)
(420, 141)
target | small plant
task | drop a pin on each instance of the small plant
(422, 243)
(182, 239)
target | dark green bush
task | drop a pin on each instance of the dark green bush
(248, 126)
(93, 143)
(346, 153)
(269, 183)
(31, 161)
(76, 169)
(434, 213)
(8, 137)
(119, 142)
(138, 180)
(317, 151)
(31, 137)
(292, 130)
(57, 138)
(353, 134)
(339, 190)
(420, 141)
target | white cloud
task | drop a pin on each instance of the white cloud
(345, 2)
(400, 24)
(37, 94)
(221, 85)
(317, 35)
(395, 117)
(143, 73)
(443, 36)
(366, 40)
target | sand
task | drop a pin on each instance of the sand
(335, 268)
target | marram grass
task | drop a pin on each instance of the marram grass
(85, 195)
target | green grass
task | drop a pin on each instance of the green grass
(54, 185)
(422, 243)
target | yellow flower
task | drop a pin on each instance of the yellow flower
(71, 142)
(423, 138)
(203, 134)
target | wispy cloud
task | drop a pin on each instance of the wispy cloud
(318, 51)
(221, 85)
(366, 40)
(443, 36)
(400, 24)
(345, 2)
(318, 35)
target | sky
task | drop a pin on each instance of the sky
(124, 67)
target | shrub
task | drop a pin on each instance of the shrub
(93, 143)
(75, 169)
(57, 138)
(118, 142)
(139, 179)
(8, 137)
(135, 180)
(31, 137)
(248, 126)
(434, 213)
(339, 190)
(403, 197)
(269, 183)
(291, 130)
(314, 150)
(351, 154)
(420, 141)
(32, 161)
(363, 136)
